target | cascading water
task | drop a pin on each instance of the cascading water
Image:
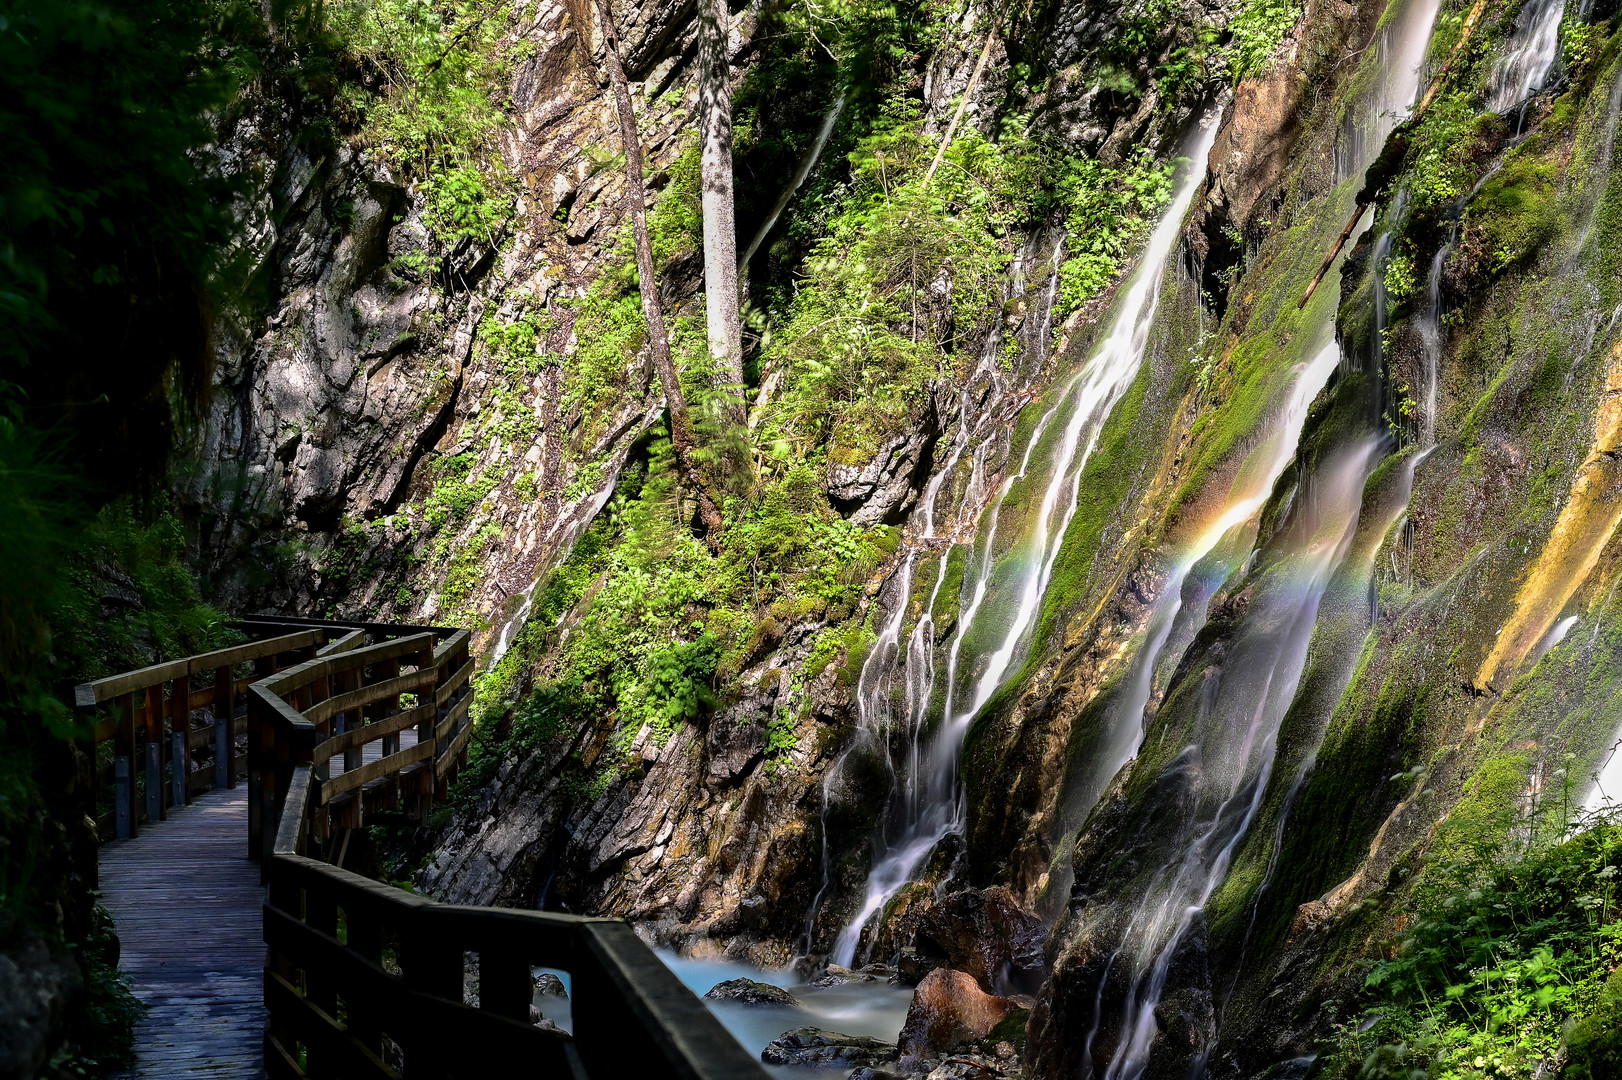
(1180, 609)
(1528, 56)
(1242, 699)
(1428, 323)
(933, 799)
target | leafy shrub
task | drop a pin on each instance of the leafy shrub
(1257, 31)
(1511, 949)
(680, 677)
(1107, 211)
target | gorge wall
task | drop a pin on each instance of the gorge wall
(1115, 574)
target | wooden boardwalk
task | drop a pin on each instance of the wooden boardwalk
(188, 906)
(186, 900)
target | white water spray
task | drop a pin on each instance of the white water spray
(934, 799)
(1528, 56)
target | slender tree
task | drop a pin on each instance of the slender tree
(636, 198)
(720, 229)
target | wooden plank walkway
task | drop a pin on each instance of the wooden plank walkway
(186, 900)
(187, 903)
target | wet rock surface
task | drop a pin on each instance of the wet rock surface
(750, 992)
(812, 1047)
(985, 933)
(948, 1010)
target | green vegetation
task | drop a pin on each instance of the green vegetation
(1110, 211)
(110, 228)
(444, 68)
(1508, 965)
(900, 284)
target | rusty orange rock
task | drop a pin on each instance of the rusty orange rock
(950, 1008)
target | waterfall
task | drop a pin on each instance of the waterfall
(1528, 56)
(1182, 605)
(807, 163)
(1243, 697)
(1428, 324)
(933, 798)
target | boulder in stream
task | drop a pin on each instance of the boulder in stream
(751, 992)
(815, 1048)
(950, 1009)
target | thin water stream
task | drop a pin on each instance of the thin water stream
(1059, 447)
(1224, 771)
(1529, 55)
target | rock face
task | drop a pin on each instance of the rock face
(703, 842)
(750, 992)
(882, 490)
(950, 1009)
(811, 1047)
(36, 989)
(986, 934)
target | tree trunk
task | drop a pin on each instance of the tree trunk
(681, 421)
(720, 229)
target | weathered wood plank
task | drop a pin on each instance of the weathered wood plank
(349, 781)
(354, 699)
(88, 694)
(203, 987)
(366, 734)
(443, 693)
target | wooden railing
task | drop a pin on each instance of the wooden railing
(149, 717)
(363, 979)
(327, 710)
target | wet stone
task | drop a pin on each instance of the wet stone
(836, 975)
(815, 1048)
(549, 984)
(750, 992)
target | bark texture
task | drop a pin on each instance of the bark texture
(636, 197)
(720, 228)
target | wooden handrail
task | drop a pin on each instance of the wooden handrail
(632, 1016)
(362, 978)
(135, 710)
(90, 694)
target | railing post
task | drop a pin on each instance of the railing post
(180, 774)
(123, 797)
(154, 776)
(433, 966)
(350, 719)
(128, 809)
(224, 744)
(180, 722)
(505, 985)
(256, 809)
(283, 894)
(388, 706)
(365, 1016)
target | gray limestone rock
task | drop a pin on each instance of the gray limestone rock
(750, 992)
(813, 1047)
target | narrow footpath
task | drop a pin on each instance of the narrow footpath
(186, 901)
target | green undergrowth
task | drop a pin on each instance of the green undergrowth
(441, 69)
(1509, 967)
(902, 282)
